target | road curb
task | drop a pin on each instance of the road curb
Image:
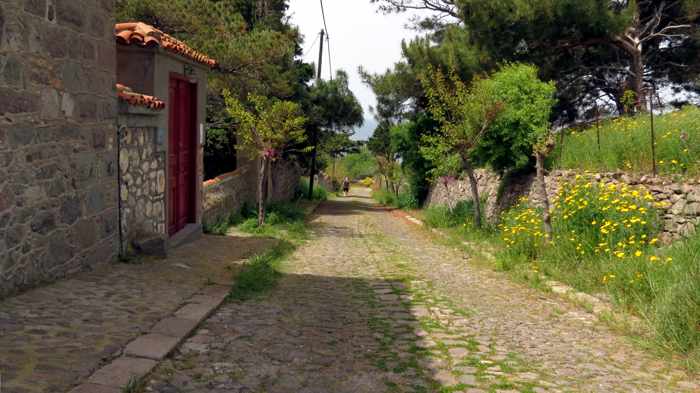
(143, 354)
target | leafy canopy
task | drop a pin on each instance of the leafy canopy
(266, 126)
(523, 121)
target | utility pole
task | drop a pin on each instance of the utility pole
(314, 137)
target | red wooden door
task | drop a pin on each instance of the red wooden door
(182, 153)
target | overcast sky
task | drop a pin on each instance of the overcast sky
(359, 37)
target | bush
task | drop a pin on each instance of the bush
(406, 200)
(302, 191)
(384, 197)
(367, 182)
(442, 217)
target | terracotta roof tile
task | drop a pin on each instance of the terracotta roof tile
(135, 99)
(138, 33)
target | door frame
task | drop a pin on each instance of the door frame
(194, 143)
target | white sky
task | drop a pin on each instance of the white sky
(359, 37)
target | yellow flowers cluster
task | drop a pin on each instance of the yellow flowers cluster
(591, 220)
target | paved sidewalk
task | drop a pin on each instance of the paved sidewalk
(55, 337)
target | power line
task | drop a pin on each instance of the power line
(328, 39)
(310, 50)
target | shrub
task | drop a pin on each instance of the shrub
(302, 191)
(384, 197)
(367, 182)
(443, 217)
(406, 200)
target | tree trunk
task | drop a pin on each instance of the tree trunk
(261, 191)
(270, 185)
(637, 77)
(546, 215)
(475, 192)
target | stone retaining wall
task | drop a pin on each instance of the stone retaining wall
(680, 215)
(58, 181)
(142, 192)
(226, 194)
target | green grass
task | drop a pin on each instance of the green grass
(605, 241)
(625, 144)
(285, 222)
(404, 200)
(302, 192)
(261, 272)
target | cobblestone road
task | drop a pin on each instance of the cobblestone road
(371, 304)
(53, 337)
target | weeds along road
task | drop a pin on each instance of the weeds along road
(371, 304)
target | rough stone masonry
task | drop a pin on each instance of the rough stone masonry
(58, 187)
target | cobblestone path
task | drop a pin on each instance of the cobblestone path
(371, 304)
(53, 337)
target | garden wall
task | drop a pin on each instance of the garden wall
(58, 180)
(680, 214)
(226, 194)
(142, 188)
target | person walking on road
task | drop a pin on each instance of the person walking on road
(346, 186)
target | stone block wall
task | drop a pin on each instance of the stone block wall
(680, 215)
(226, 194)
(142, 187)
(58, 189)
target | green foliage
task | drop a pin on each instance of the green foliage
(357, 165)
(319, 194)
(243, 37)
(605, 241)
(443, 217)
(522, 122)
(572, 40)
(403, 200)
(625, 144)
(629, 100)
(219, 152)
(266, 126)
(260, 273)
(590, 220)
(406, 138)
(254, 45)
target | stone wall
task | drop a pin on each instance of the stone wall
(58, 188)
(680, 215)
(226, 194)
(142, 191)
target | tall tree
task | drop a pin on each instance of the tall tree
(332, 109)
(465, 116)
(267, 127)
(593, 48)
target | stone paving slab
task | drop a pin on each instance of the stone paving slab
(194, 311)
(152, 346)
(120, 371)
(175, 327)
(93, 388)
(54, 337)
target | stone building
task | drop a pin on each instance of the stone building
(161, 135)
(72, 155)
(58, 177)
